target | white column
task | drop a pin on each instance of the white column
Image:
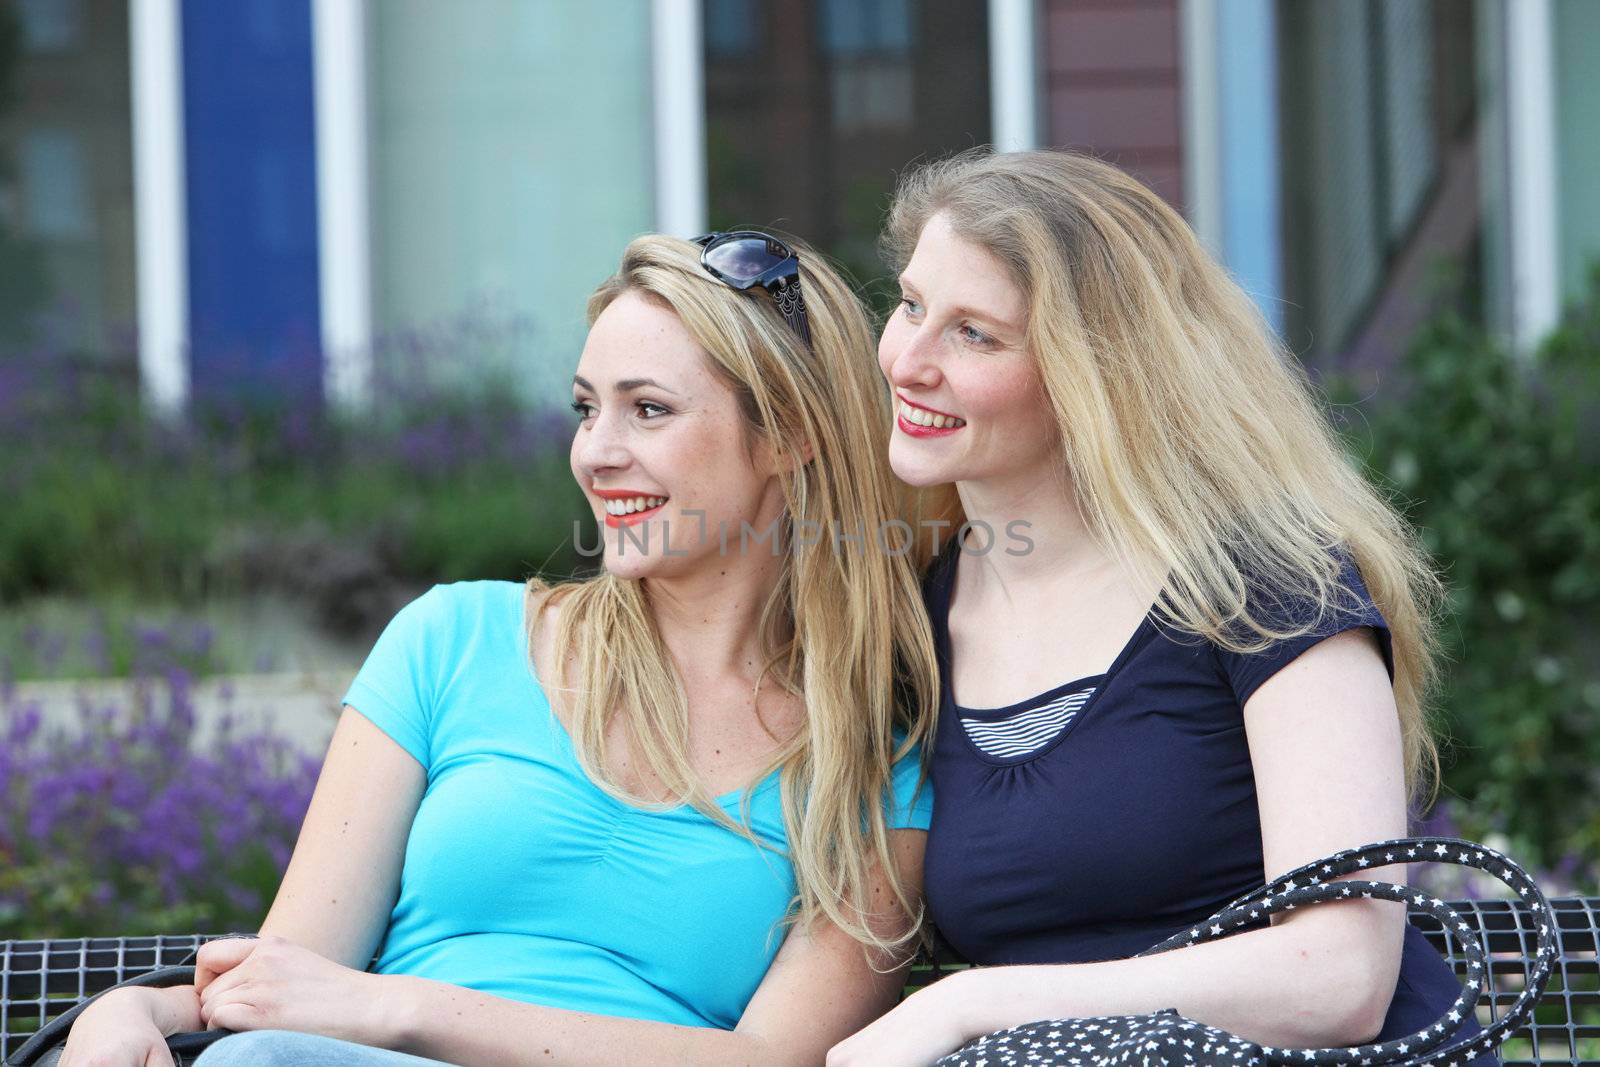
(161, 239)
(1534, 194)
(1202, 130)
(680, 117)
(339, 57)
(1014, 75)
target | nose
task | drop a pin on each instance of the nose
(910, 355)
(599, 447)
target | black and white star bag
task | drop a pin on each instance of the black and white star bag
(1167, 1039)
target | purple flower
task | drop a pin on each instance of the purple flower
(128, 816)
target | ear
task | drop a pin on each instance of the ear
(800, 455)
(786, 461)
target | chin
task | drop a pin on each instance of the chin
(625, 559)
(632, 566)
(918, 474)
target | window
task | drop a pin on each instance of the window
(813, 107)
(512, 147)
(66, 179)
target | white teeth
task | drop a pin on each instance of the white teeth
(629, 505)
(923, 417)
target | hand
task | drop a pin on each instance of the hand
(118, 1030)
(920, 1029)
(273, 984)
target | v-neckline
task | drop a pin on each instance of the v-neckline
(1141, 633)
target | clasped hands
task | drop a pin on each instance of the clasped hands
(268, 983)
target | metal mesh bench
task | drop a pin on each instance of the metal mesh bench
(41, 979)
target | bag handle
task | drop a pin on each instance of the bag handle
(53, 1034)
(1312, 884)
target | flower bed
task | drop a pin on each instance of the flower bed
(128, 824)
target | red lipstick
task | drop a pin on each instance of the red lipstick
(913, 429)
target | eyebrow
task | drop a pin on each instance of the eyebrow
(626, 385)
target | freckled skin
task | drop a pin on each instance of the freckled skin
(931, 354)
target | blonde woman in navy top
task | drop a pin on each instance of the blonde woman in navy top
(1184, 645)
(666, 815)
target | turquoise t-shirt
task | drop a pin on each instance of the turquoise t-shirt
(524, 879)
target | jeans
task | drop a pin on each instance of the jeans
(286, 1048)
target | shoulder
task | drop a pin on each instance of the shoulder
(439, 626)
(462, 604)
(543, 606)
(476, 596)
(454, 598)
(1291, 614)
(1300, 602)
(909, 802)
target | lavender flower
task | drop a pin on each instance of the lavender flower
(129, 825)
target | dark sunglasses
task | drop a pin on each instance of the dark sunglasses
(744, 259)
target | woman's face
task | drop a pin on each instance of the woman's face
(969, 403)
(662, 450)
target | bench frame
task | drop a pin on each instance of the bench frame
(39, 980)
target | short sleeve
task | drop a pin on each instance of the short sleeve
(397, 684)
(1247, 671)
(910, 805)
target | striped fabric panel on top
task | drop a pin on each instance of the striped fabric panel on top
(1028, 730)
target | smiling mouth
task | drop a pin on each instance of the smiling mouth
(628, 510)
(924, 422)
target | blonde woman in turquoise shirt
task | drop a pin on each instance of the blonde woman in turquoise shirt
(667, 815)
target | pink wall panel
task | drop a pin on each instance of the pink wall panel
(1113, 83)
(1088, 38)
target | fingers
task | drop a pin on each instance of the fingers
(219, 957)
(227, 986)
(237, 1016)
(233, 1001)
(159, 1056)
(224, 991)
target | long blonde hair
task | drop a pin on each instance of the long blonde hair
(1200, 455)
(844, 628)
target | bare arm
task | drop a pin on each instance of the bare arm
(1325, 741)
(819, 988)
(334, 899)
(344, 876)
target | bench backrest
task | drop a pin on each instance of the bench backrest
(41, 979)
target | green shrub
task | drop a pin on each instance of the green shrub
(1495, 459)
(349, 513)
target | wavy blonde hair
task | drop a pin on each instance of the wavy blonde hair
(1198, 449)
(843, 629)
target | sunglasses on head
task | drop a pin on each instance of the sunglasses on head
(744, 259)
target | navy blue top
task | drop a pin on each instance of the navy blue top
(1137, 820)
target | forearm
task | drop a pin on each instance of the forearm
(1296, 986)
(464, 1026)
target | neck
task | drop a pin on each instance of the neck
(1062, 543)
(710, 620)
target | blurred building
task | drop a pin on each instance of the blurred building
(313, 194)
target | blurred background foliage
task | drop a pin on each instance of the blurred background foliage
(349, 515)
(1496, 460)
